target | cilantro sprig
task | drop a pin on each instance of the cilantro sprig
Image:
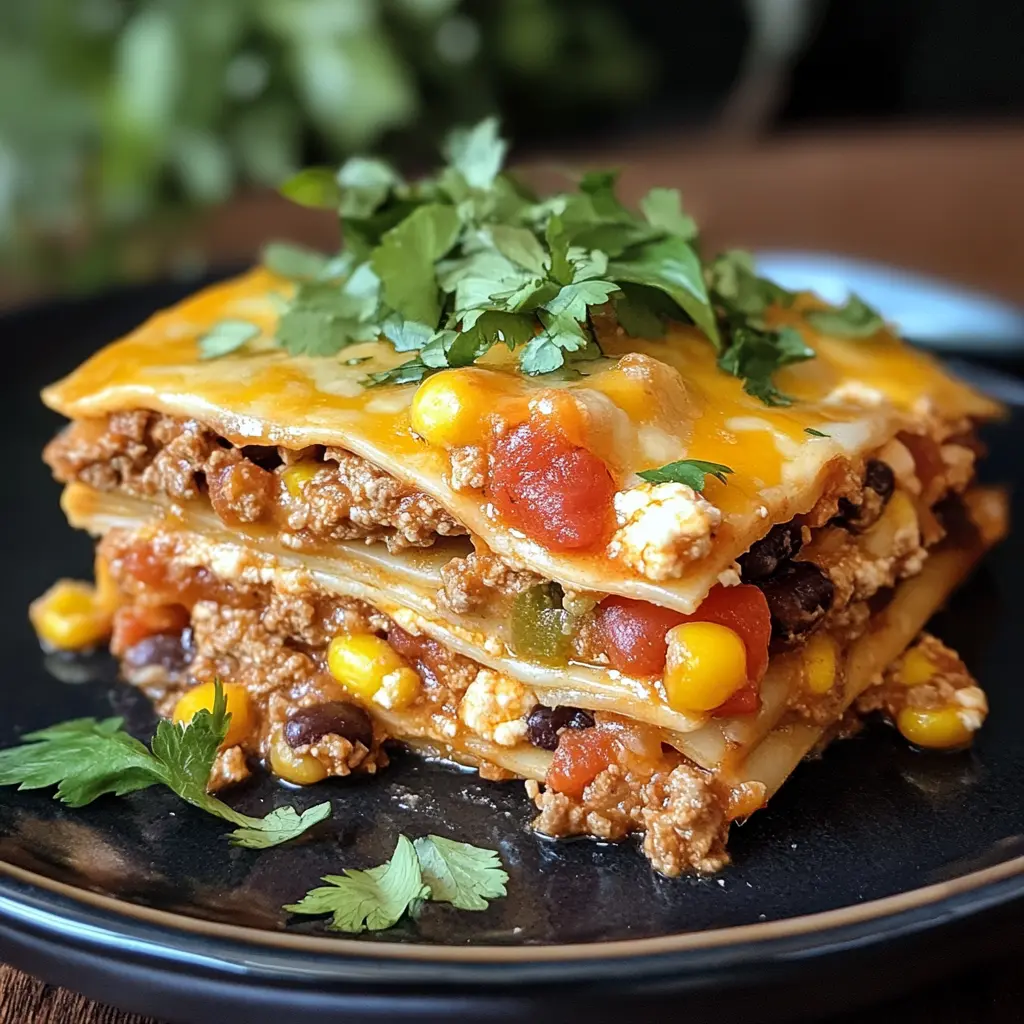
(431, 868)
(450, 266)
(88, 758)
(754, 351)
(692, 472)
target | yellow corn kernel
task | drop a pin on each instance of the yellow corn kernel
(706, 665)
(935, 728)
(290, 765)
(239, 705)
(916, 668)
(70, 616)
(398, 689)
(362, 661)
(448, 407)
(297, 475)
(820, 663)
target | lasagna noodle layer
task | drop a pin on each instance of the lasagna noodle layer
(713, 744)
(859, 395)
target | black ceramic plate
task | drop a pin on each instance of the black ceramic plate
(874, 867)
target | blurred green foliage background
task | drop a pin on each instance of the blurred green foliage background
(123, 115)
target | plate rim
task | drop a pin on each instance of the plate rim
(48, 906)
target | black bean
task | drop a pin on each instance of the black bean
(543, 725)
(879, 477)
(879, 480)
(265, 456)
(170, 651)
(799, 596)
(307, 725)
(782, 543)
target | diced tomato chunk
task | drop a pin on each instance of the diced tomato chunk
(581, 756)
(745, 701)
(634, 634)
(135, 623)
(556, 492)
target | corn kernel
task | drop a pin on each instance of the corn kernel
(820, 663)
(706, 665)
(361, 662)
(934, 728)
(297, 475)
(70, 616)
(239, 706)
(290, 765)
(916, 668)
(448, 408)
(398, 689)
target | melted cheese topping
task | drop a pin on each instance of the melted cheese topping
(645, 404)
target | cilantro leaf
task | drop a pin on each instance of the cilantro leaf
(561, 335)
(314, 186)
(364, 186)
(854, 319)
(404, 261)
(736, 287)
(325, 316)
(491, 328)
(406, 335)
(460, 874)
(432, 868)
(754, 355)
(280, 826)
(226, 336)
(815, 433)
(672, 266)
(573, 299)
(520, 246)
(636, 318)
(477, 153)
(663, 208)
(86, 759)
(410, 372)
(692, 472)
(295, 262)
(369, 900)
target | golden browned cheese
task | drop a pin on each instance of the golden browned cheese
(645, 404)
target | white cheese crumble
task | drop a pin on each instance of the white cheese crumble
(662, 527)
(853, 392)
(495, 706)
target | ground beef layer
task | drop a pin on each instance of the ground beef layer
(335, 496)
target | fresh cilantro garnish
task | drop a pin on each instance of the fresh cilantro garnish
(454, 264)
(448, 267)
(430, 869)
(754, 354)
(815, 433)
(854, 319)
(294, 261)
(691, 472)
(86, 759)
(226, 336)
(754, 350)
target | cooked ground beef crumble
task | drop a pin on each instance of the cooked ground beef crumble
(342, 497)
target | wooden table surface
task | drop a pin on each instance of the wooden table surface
(949, 202)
